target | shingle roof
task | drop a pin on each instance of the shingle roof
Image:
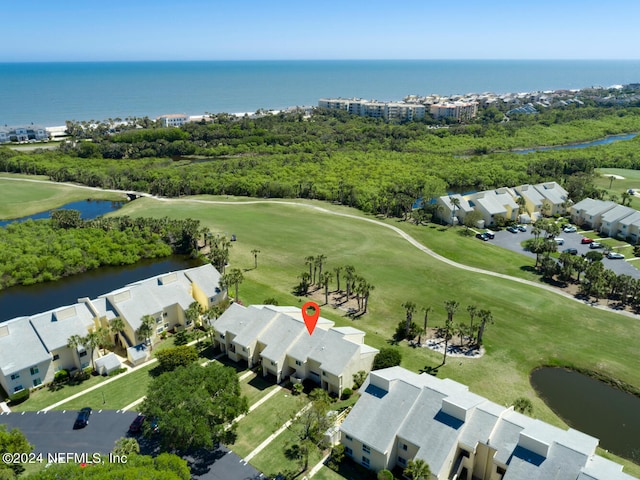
(206, 277)
(56, 326)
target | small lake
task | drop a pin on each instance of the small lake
(592, 407)
(88, 209)
(28, 300)
(595, 143)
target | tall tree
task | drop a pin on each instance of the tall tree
(194, 405)
(349, 271)
(410, 309)
(320, 262)
(12, 441)
(426, 311)
(324, 281)
(473, 311)
(233, 277)
(337, 271)
(486, 318)
(455, 202)
(310, 260)
(255, 253)
(451, 306)
(192, 314)
(145, 330)
(309, 428)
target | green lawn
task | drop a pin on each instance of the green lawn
(618, 186)
(265, 420)
(118, 394)
(255, 387)
(18, 201)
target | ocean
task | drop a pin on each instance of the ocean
(50, 93)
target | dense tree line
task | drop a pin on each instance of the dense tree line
(377, 167)
(44, 250)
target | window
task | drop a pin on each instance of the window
(402, 461)
(34, 370)
(15, 376)
(501, 471)
(56, 357)
(17, 388)
(159, 319)
(159, 329)
(324, 374)
(166, 325)
(222, 336)
(366, 449)
(164, 314)
(365, 461)
(273, 363)
(299, 363)
(403, 446)
(36, 382)
(83, 353)
(349, 438)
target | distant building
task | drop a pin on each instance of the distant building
(402, 416)
(455, 110)
(398, 111)
(173, 120)
(23, 134)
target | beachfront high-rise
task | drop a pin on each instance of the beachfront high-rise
(396, 111)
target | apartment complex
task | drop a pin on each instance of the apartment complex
(454, 110)
(173, 119)
(23, 134)
(397, 111)
(524, 203)
(403, 416)
(33, 349)
(276, 339)
(608, 218)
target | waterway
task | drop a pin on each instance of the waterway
(88, 209)
(592, 407)
(28, 300)
(594, 143)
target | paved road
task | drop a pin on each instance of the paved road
(52, 432)
(513, 241)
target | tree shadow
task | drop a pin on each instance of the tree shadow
(201, 460)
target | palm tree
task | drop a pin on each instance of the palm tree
(104, 338)
(233, 277)
(455, 202)
(92, 341)
(255, 253)
(116, 326)
(349, 274)
(319, 261)
(426, 311)
(75, 341)
(305, 278)
(192, 314)
(211, 314)
(145, 330)
(337, 271)
(410, 308)
(310, 260)
(367, 289)
(417, 470)
(522, 204)
(325, 278)
(451, 306)
(485, 318)
(473, 311)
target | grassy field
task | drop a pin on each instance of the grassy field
(631, 180)
(25, 198)
(532, 327)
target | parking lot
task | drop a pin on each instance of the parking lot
(513, 242)
(52, 433)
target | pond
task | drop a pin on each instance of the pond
(595, 143)
(592, 407)
(29, 300)
(88, 209)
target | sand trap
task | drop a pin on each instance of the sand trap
(617, 177)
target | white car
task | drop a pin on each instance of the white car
(569, 229)
(559, 240)
(615, 256)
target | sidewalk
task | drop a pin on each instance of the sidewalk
(271, 437)
(318, 465)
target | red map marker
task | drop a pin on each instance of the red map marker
(311, 320)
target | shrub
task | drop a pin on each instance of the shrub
(346, 393)
(387, 357)
(358, 379)
(385, 475)
(172, 358)
(19, 397)
(117, 371)
(337, 455)
(297, 389)
(163, 335)
(61, 376)
(523, 405)
(181, 338)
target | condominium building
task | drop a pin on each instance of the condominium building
(396, 111)
(454, 110)
(173, 119)
(23, 134)
(402, 416)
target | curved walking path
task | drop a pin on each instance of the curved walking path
(397, 230)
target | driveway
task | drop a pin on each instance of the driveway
(512, 241)
(52, 433)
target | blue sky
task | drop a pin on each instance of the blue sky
(73, 30)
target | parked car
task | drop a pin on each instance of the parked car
(482, 236)
(512, 229)
(490, 234)
(615, 256)
(571, 251)
(522, 228)
(586, 240)
(82, 420)
(136, 425)
(569, 229)
(559, 240)
(595, 245)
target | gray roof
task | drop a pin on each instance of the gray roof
(206, 277)
(333, 352)
(279, 340)
(250, 325)
(530, 193)
(109, 362)
(600, 468)
(617, 213)
(20, 347)
(634, 218)
(56, 326)
(137, 352)
(553, 192)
